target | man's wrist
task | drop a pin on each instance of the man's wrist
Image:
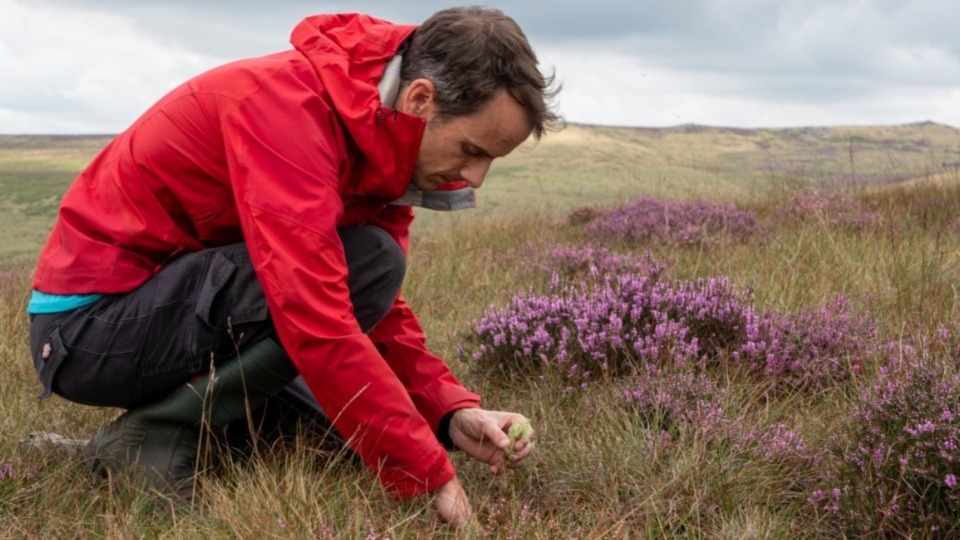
(443, 431)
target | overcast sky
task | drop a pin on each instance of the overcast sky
(92, 66)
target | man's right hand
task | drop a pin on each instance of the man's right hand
(452, 506)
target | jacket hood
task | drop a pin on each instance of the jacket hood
(350, 53)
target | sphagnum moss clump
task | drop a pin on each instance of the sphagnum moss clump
(518, 430)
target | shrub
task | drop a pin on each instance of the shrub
(674, 403)
(16, 482)
(668, 400)
(582, 215)
(620, 322)
(834, 209)
(673, 222)
(954, 227)
(595, 262)
(899, 453)
(809, 348)
(779, 445)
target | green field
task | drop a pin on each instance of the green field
(601, 469)
(34, 173)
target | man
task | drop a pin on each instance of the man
(245, 239)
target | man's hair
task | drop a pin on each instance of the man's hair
(469, 54)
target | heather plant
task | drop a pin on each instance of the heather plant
(809, 348)
(897, 456)
(619, 322)
(954, 227)
(511, 520)
(778, 444)
(580, 261)
(673, 222)
(666, 400)
(833, 208)
(679, 404)
(610, 328)
(779, 453)
(581, 215)
(16, 481)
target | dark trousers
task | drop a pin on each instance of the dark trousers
(130, 349)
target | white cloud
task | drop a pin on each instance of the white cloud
(82, 69)
(79, 65)
(619, 89)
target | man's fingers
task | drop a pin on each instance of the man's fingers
(522, 448)
(502, 440)
(452, 505)
(517, 458)
(494, 433)
(489, 444)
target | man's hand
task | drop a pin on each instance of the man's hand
(452, 506)
(482, 435)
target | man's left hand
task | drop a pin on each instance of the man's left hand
(482, 435)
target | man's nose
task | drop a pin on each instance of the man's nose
(475, 172)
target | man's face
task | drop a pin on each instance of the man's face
(463, 147)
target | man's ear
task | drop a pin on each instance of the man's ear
(418, 98)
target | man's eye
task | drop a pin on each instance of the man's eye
(470, 151)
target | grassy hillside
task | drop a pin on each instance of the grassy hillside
(580, 165)
(34, 173)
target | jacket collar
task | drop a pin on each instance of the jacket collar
(350, 54)
(357, 57)
(447, 197)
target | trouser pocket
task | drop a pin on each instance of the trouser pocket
(48, 356)
(230, 307)
(85, 358)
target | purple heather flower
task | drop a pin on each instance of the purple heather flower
(673, 222)
(899, 448)
(954, 227)
(627, 319)
(9, 472)
(835, 209)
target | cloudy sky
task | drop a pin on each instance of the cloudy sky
(91, 66)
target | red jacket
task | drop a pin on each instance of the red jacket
(278, 152)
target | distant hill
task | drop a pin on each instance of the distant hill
(583, 164)
(855, 155)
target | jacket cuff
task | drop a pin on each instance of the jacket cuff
(442, 404)
(402, 485)
(443, 431)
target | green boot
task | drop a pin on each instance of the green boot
(159, 442)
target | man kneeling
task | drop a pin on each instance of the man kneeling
(244, 241)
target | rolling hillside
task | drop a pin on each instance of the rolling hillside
(580, 165)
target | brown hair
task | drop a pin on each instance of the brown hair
(469, 54)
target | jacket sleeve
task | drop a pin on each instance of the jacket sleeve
(401, 341)
(284, 155)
